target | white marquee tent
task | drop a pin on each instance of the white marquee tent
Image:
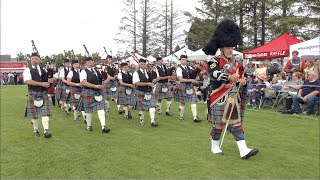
(151, 58)
(200, 55)
(307, 48)
(176, 56)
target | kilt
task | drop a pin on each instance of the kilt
(61, 92)
(141, 104)
(37, 112)
(175, 91)
(183, 97)
(87, 103)
(107, 93)
(71, 99)
(161, 95)
(215, 113)
(123, 98)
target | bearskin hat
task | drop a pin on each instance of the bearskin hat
(226, 34)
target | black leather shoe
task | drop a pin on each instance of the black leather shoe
(89, 129)
(120, 111)
(168, 113)
(154, 124)
(105, 130)
(197, 120)
(47, 134)
(253, 152)
(37, 134)
(129, 115)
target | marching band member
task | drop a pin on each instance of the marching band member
(92, 95)
(65, 90)
(186, 90)
(38, 104)
(227, 101)
(126, 90)
(143, 94)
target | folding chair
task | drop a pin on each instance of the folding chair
(270, 94)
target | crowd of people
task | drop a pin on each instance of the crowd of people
(297, 82)
(11, 78)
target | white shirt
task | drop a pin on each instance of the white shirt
(70, 74)
(135, 76)
(62, 72)
(83, 73)
(27, 74)
(56, 75)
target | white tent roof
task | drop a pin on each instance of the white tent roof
(151, 58)
(175, 58)
(132, 61)
(311, 47)
(200, 55)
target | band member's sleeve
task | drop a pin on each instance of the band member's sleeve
(83, 75)
(120, 75)
(61, 75)
(216, 73)
(70, 74)
(135, 77)
(26, 75)
(56, 75)
(179, 72)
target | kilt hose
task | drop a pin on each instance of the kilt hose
(183, 97)
(215, 113)
(87, 103)
(123, 98)
(71, 99)
(141, 104)
(37, 112)
(107, 93)
(161, 95)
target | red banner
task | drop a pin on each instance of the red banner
(13, 65)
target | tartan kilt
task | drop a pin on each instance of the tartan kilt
(71, 99)
(37, 112)
(161, 95)
(123, 98)
(141, 104)
(61, 92)
(58, 91)
(215, 113)
(182, 95)
(87, 102)
(175, 91)
(107, 93)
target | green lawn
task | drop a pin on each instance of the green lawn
(289, 146)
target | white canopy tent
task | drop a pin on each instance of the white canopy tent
(175, 57)
(307, 48)
(151, 58)
(132, 61)
(200, 55)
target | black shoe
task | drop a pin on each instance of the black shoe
(168, 113)
(154, 124)
(129, 115)
(89, 129)
(69, 110)
(197, 120)
(120, 111)
(310, 113)
(253, 152)
(47, 134)
(36, 133)
(288, 112)
(105, 130)
(181, 118)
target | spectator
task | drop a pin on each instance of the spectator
(282, 78)
(5, 78)
(317, 66)
(15, 78)
(258, 91)
(10, 78)
(310, 67)
(20, 77)
(273, 68)
(1, 79)
(250, 69)
(296, 64)
(250, 85)
(309, 94)
(292, 88)
(261, 70)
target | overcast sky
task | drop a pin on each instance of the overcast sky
(57, 25)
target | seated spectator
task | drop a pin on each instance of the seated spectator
(317, 66)
(309, 94)
(291, 89)
(282, 78)
(261, 70)
(250, 85)
(257, 91)
(250, 69)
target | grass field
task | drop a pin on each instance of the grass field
(289, 146)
